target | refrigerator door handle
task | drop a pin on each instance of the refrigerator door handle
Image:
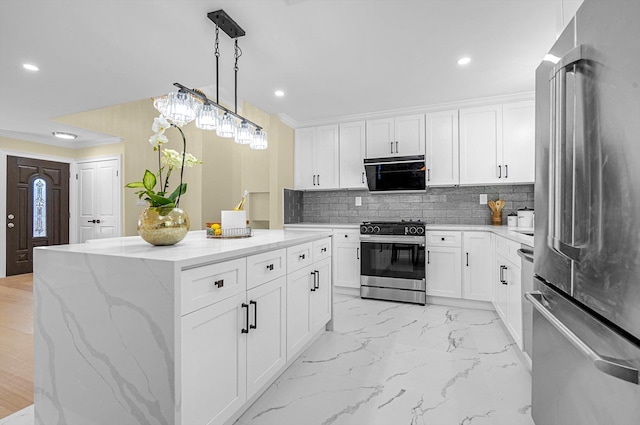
(557, 163)
(617, 368)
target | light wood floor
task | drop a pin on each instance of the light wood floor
(16, 343)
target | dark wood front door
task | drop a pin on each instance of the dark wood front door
(37, 209)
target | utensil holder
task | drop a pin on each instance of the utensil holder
(496, 218)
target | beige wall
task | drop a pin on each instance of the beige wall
(216, 185)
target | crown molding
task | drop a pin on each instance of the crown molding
(286, 119)
(470, 103)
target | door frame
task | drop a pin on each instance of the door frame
(3, 194)
(76, 211)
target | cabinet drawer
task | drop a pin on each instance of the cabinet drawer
(508, 249)
(299, 256)
(352, 236)
(206, 285)
(321, 249)
(443, 238)
(262, 268)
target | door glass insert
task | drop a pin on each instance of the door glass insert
(39, 208)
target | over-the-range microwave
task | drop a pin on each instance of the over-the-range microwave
(400, 173)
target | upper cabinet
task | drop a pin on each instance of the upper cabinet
(497, 144)
(442, 148)
(316, 158)
(352, 151)
(400, 136)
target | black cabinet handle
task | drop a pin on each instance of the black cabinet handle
(313, 288)
(314, 179)
(467, 259)
(219, 283)
(363, 177)
(442, 239)
(391, 147)
(255, 315)
(396, 147)
(318, 179)
(506, 171)
(301, 257)
(500, 171)
(246, 330)
(502, 280)
(270, 267)
(323, 249)
(93, 221)
(428, 257)
(317, 280)
(358, 253)
(428, 174)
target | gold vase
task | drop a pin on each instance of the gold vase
(163, 226)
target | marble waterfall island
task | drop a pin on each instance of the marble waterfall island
(128, 333)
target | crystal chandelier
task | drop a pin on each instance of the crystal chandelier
(187, 104)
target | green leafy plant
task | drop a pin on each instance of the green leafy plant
(168, 159)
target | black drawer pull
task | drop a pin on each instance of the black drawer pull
(441, 238)
(219, 283)
(317, 281)
(301, 257)
(246, 330)
(323, 249)
(255, 315)
(270, 267)
(467, 259)
(313, 288)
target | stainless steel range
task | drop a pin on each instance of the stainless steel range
(392, 265)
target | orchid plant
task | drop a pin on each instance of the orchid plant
(168, 160)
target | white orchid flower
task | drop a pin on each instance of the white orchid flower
(190, 160)
(171, 158)
(158, 139)
(160, 124)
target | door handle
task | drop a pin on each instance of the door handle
(313, 288)
(428, 174)
(428, 257)
(363, 177)
(255, 315)
(318, 179)
(358, 253)
(391, 147)
(502, 279)
(499, 171)
(506, 171)
(396, 147)
(314, 179)
(617, 368)
(219, 283)
(317, 280)
(93, 221)
(246, 330)
(467, 259)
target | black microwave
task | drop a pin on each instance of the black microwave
(400, 173)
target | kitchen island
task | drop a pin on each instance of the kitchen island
(128, 333)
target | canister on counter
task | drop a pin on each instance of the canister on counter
(512, 219)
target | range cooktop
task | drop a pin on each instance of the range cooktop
(403, 227)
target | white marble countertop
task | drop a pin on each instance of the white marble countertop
(511, 233)
(195, 248)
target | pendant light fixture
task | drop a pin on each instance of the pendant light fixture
(187, 104)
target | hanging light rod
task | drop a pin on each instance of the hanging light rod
(206, 100)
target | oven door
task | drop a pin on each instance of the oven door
(399, 257)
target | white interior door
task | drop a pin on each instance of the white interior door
(99, 199)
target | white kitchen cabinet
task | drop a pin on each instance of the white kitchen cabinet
(480, 145)
(444, 272)
(508, 286)
(400, 136)
(299, 285)
(316, 155)
(321, 295)
(442, 148)
(352, 153)
(346, 259)
(266, 340)
(214, 362)
(518, 142)
(477, 266)
(497, 144)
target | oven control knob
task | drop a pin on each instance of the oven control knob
(421, 230)
(412, 230)
(363, 229)
(376, 229)
(369, 229)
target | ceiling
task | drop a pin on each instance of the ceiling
(332, 58)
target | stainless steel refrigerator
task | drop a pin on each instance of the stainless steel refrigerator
(586, 325)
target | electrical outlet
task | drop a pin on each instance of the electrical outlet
(358, 201)
(483, 199)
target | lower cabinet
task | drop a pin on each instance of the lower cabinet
(321, 296)
(477, 266)
(346, 259)
(214, 362)
(508, 287)
(443, 271)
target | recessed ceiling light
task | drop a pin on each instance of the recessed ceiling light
(30, 67)
(279, 93)
(66, 136)
(464, 61)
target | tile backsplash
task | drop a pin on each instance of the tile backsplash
(442, 205)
